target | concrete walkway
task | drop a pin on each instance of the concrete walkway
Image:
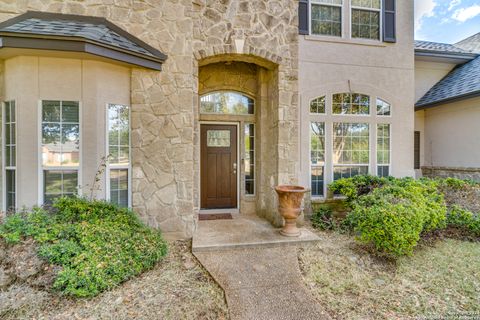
(257, 268)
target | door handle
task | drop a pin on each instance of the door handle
(234, 168)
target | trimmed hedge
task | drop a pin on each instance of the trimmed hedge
(97, 244)
(391, 214)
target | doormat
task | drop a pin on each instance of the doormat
(215, 216)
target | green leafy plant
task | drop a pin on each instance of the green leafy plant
(461, 218)
(322, 219)
(97, 244)
(391, 214)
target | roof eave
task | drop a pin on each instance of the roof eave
(470, 95)
(445, 55)
(71, 44)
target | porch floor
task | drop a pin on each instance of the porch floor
(243, 231)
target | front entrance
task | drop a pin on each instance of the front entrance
(219, 167)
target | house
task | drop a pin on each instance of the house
(202, 106)
(447, 109)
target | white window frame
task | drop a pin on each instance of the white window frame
(227, 114)
(252, 160)
(41, 191)
(389, 149)
(328, 118)
(370, 148)
(310, 120)
(317, 113)
(4, 166)
(380, 33)
(342, 18)
(381, 116)
(110, 166)
(369, 114)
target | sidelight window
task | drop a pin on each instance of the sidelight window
(317, 157)
(383, 150)
(249, 158)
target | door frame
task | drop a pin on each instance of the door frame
(239, 166)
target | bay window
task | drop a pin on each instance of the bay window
(118, 150)
(60, 148)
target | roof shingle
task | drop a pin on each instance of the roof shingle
(438, 47)
(471, 44)
(100, 31)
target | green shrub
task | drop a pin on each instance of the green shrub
(97, 244)
(460, 218)
(354, 187)
(322, 219)
(394, 212)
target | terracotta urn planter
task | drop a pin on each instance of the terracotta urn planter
(290, 207)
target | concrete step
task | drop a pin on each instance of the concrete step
(244, 232)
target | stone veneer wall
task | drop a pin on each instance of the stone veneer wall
(165, 104)
(450, 172)
(236, 76)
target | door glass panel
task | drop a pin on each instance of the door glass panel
(218, 138)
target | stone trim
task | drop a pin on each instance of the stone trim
(458, 169)
(469, 173)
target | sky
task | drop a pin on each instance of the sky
(447, 21)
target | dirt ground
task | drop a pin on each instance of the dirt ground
(177, 288)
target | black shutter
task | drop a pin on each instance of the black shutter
(416, 151)
(303, 17)
(389, 23)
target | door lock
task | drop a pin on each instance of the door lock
(234, 168)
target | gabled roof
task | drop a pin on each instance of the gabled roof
(66, 32)
(471, 43)
(462, 82)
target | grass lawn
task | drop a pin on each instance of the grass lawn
(176, 288)
(439, 279)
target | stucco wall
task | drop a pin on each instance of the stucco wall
(427, 74)
(329, 65)
(452, 135)
(30, 79)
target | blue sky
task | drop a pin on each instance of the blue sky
(446, 21)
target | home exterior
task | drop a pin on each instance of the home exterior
(447, 109)
(177, 108)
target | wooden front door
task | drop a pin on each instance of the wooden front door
(218, 165)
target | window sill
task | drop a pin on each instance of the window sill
(363, 42)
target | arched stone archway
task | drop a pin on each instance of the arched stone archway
(275, 128)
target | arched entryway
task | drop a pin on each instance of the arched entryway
(238, 134)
